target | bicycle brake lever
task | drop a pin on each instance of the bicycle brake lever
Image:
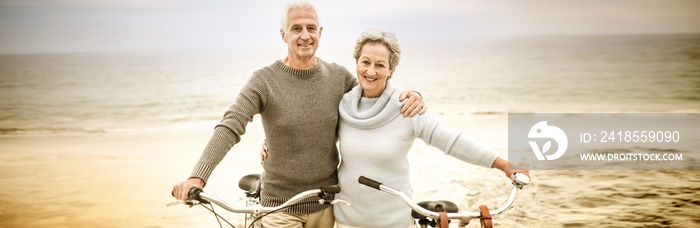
(178, 202)
(185, 202)
(339, 201)
(335, 201)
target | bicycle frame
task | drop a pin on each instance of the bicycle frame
(520, 181)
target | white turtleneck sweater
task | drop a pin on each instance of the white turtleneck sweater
(374, 142)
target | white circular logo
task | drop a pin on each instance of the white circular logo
(543, 131)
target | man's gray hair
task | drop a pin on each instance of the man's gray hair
(300, 4)
(387, 38)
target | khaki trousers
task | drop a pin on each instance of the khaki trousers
(321, 219)
(412, 224)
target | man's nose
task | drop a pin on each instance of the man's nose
(305, 35)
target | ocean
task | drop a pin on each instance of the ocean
(95, 93)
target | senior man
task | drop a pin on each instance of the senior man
(298, 99)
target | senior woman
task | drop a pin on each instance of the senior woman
(374, 142)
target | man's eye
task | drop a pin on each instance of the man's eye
(380, 65)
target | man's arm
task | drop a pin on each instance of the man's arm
(250, 101)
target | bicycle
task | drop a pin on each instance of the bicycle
(253, 210)
(439, 213)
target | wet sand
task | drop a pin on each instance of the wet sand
(124, 180)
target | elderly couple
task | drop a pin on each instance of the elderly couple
(301, 98)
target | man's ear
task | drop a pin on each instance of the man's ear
(320, 29)
(282, 34)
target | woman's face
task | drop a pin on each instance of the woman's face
(373, 69)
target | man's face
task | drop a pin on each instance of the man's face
(302, 33)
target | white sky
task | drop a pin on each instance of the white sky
(38, 26)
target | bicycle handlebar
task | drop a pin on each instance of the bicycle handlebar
(520, 181)
(325, 194)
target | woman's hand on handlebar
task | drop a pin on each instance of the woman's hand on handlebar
(513, 169)
(509, 169)
(181, 189)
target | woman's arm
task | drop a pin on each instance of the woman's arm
(453, 142)
(457, 144)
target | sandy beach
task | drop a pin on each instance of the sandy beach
(123, 180)
(113, 180)
(106, 105)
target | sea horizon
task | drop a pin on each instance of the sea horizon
(86, 93)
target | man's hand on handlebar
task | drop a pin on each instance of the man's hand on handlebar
(181, 189)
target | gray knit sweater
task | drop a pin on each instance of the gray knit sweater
(299, 110)
(374, 142)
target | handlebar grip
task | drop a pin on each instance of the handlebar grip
(369, 182)
(193, 194)
(521, 179)
(333, 189)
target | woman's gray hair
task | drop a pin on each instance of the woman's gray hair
(387, 38)
(301, 4)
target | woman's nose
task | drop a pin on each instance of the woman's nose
(371, 71)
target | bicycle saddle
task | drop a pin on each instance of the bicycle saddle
(250, 184)
(436, 206)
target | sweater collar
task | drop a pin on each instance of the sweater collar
(299, 72)
(386, 108)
